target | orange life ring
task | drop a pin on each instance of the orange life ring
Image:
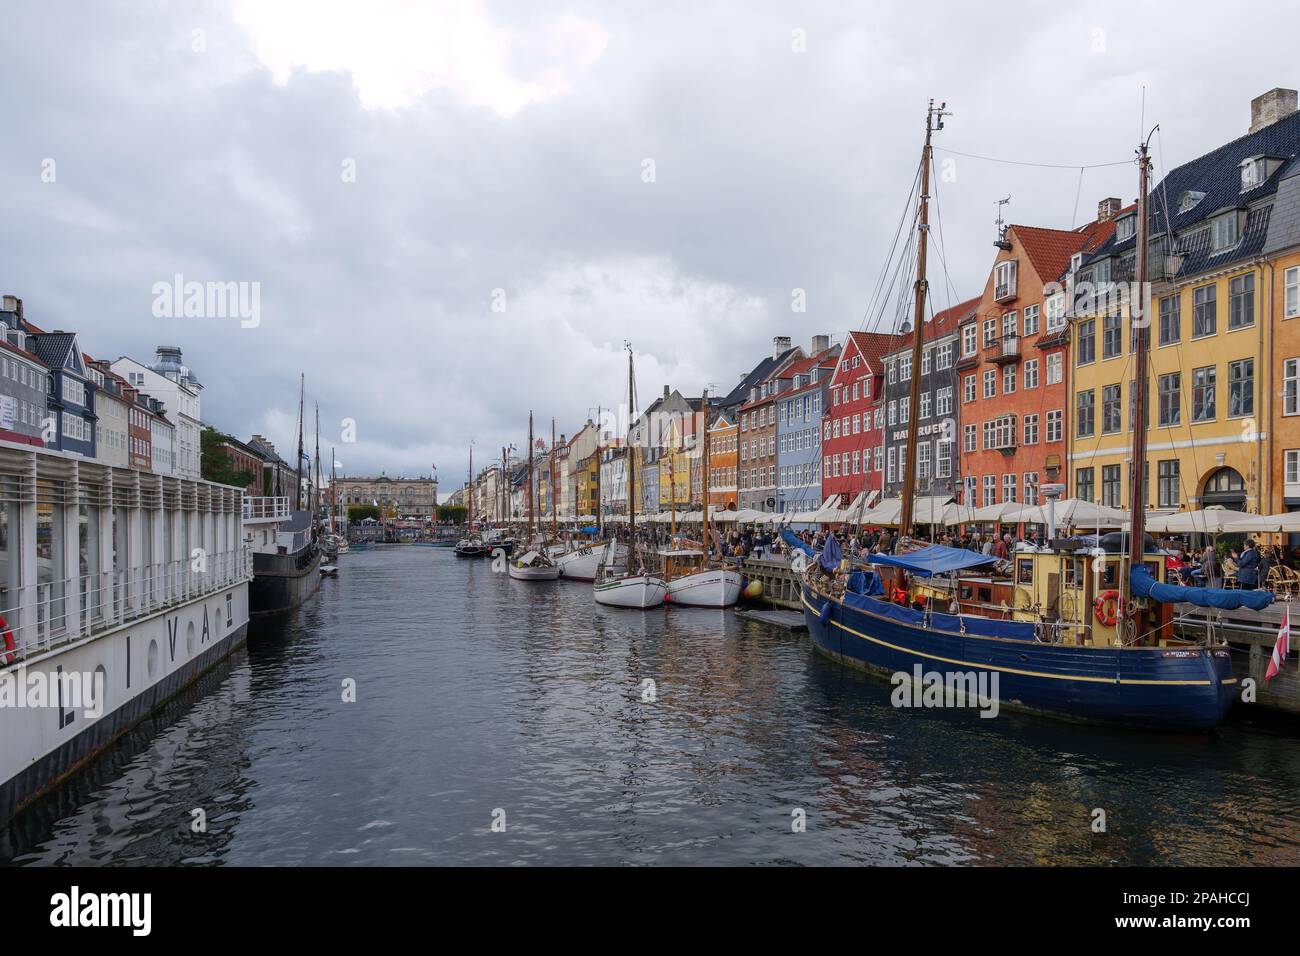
(1106, 607)
(10, 646)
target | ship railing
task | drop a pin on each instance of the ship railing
(40, 617)
(265, 509)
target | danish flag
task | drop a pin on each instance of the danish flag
(1282, 648)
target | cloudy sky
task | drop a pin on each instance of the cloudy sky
(448, 210)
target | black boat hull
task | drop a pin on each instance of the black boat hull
(282, 582)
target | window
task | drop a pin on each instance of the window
(943, 401)
(1055, 368)
(879, 457)
(1241, 301)
(1055, 421)
(990, 489)
(1171, 326)
(1031, 429)
(1008, 487)
(1291, 286)
(968, 388)
(904, 412)
(1110, 486)
(1087, 411)
(990, 383)
(968, 438)
(1111, 329)
(990, 332)
(1189, 199)
(923, 461)
(943, 460)
(1087, 351)
(1203, 311)
(1167, 484)
(943, 356)
(968, 334)
(1224, 232)
(1031, 319)
(1203, 401)
(1290, 386)
(891, 373)
(889, 473)
(1170, 388)
(1004, 431)
(1241, 388)
(1031, 487)
(1056, 312)
(1110, 399)
(990, 433)
(905, 368)
(1009, 325)
(925, 405)
(1031, 373)
(927, 361)
(1125, 228)
(1004, 279)
(1008, 379)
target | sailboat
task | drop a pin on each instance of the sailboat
(693, 579)
(472, 545)
(631, 586)
(1090, 633)
(534, 564)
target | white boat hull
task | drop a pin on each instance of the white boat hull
(581, 565)
(542, 573)
(640, 591)
(714, 587)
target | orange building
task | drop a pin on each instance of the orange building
(723, 437)
(1012, 364)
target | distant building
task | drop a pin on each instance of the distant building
(69, 395)
(408, 497)
(162, 439)
(175, 386)
(722, 462)
(278, 479)
(112, 414)
(24, 380)
(799, 427)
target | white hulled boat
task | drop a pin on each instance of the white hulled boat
(692, 582)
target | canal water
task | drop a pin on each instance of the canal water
(479, 698)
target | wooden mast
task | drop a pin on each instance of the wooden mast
(470, 490)
(1138, 303)
(922, 289)
(630, 460)
(302, 391)
(597, 512)
(704, 472)
(555, 515)
(529, 493)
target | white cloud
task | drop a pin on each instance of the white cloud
(398, 50)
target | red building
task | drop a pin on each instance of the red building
(1012, 365)
(853, 418)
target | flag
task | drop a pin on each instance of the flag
(1282, 648)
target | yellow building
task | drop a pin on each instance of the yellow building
(675, 471)
(1209, 391)
(587, 477)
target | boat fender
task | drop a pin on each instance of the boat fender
(10, 646)
(824, 614)
(1106, 607)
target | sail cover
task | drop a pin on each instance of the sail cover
(793, 540)
(935, 559)
(1222, 598)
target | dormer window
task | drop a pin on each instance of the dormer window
(1125, 228)
(1076, 260)
(1225, 231)
(1252, 172)
(1189, 199)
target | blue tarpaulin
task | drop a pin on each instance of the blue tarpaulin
(794, 541)
(865, 582)
(935, 559)
(830, 558)
(1222, 598)
(590, 529)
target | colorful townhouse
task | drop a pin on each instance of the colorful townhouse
(856, 389)
(936, 450)
(1210, 331)
(799, 427)
(70, 396)
(1012, 355)
(753, 460)
(722, 436)
(23, 380)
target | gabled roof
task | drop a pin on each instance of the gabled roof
(759, 373)
(55, 349)
(873, 346)
(827, 359)
(1050, 250)
(941, 324)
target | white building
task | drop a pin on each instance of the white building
(172, 383)
(162, 446)
(111, 421)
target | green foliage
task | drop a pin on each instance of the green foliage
(362, 512)
(215, 462)
(451, 514)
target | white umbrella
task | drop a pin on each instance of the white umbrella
(1213, 520)
(1077, 513)
(747, 515)
(1006, 512)
(1287, 522)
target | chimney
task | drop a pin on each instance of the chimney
(1107, 208)
(820, 343)
(1267, 109)
(780, 343)
(666, 392)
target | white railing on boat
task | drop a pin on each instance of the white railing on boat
(266, 509)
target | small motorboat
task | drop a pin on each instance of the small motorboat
(329, 570)
(472, 548)
(534, 566)
(580, 563)
(695, 581)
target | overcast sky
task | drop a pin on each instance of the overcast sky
(382, 169)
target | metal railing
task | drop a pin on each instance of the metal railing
(265, 509)
(40, 620)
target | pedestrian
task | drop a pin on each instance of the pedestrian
(1248, 567)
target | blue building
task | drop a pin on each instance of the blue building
(799, 431)
(70, 396)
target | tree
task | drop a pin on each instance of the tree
(362, 512)
(451, 514)
(214, 462)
